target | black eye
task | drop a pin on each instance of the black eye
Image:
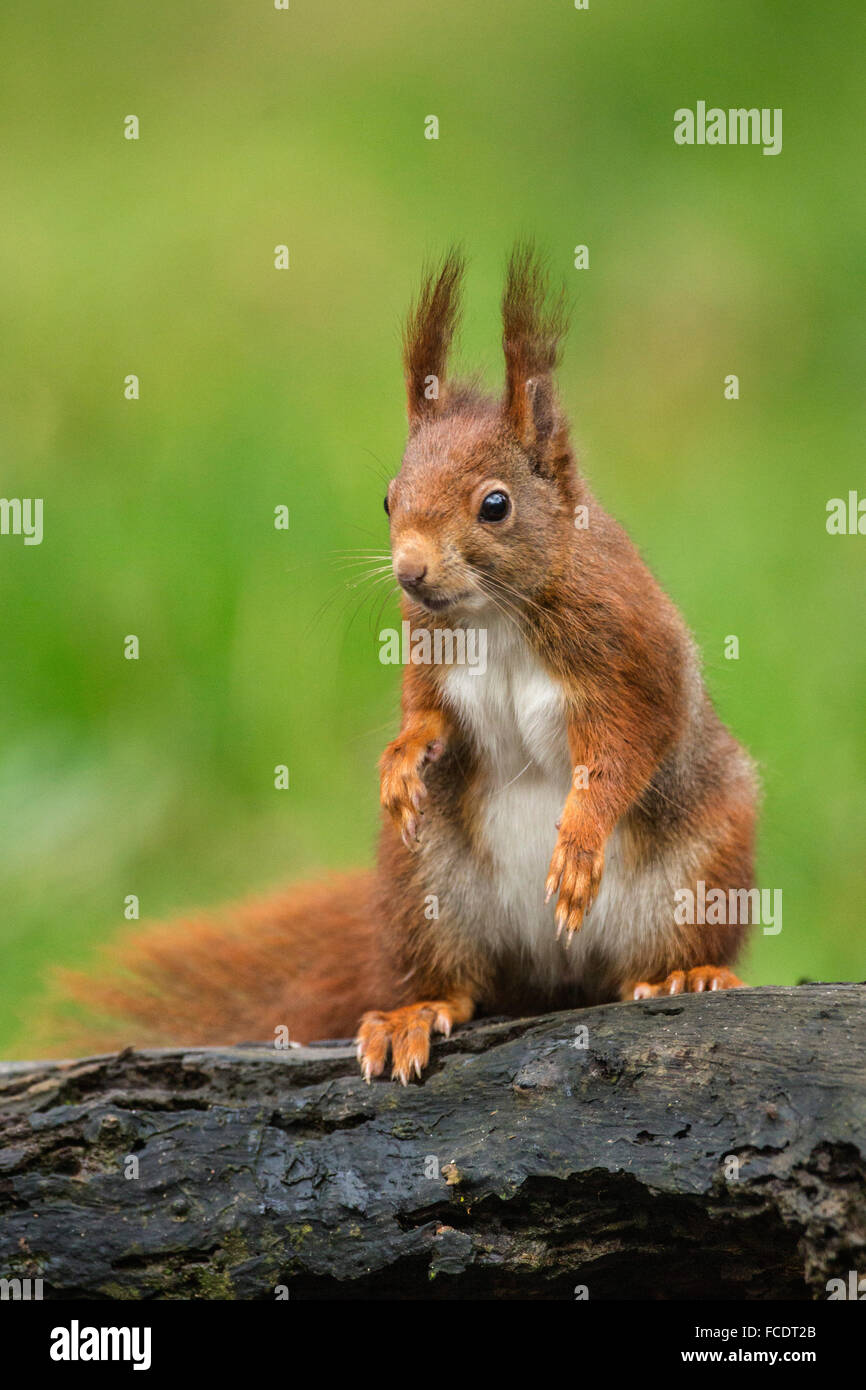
(495, 507)
(387, 508)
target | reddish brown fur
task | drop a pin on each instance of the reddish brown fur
(430, 327)
(659, 760)
(662, 768)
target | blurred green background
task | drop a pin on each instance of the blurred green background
(262, 387)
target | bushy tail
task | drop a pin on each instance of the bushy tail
(306, 959)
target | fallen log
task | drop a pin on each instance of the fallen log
(708, 1146)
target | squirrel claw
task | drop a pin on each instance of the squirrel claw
(406, 1033)
(575, 873)
(695, 981)
(403, 792)
(409, 835)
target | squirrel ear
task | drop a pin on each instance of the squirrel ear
(429, 329)
(533, 326)
(539, 416)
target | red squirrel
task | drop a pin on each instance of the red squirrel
(539, 815)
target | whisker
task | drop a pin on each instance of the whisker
(357, 579)
(344, 591)
(395, 589)
(495, 579)
(499, 601)
(370, 594)
(361, 552)
(500, 605)
(384, 475)
(361, 560)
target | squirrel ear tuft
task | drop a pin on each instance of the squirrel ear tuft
(430, 327)
(533, 325)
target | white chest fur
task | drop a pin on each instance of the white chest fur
(513, 711)
(514, 715)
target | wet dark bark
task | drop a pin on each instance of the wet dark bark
(697, 1147)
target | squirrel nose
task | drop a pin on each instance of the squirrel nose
(410, 567)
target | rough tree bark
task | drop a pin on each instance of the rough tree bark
(690, 1147)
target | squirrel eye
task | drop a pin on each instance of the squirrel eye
(387, 508)
(495, 507)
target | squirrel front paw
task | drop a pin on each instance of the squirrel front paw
(402, 788)
(575, 872)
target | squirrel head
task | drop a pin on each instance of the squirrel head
(483, 504)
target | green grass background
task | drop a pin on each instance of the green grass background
(261, 387)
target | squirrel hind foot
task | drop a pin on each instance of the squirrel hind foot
(695, 981)
(405, 1033)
